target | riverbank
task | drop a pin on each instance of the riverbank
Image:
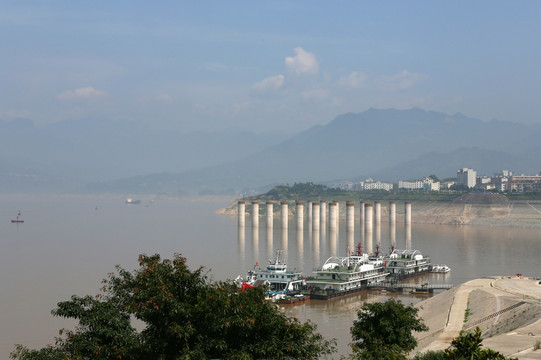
(507, 309)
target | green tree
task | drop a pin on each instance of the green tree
(434, 177)
(384, 330)
(468, 346)
(185, 316)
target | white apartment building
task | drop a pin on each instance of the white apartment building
(370, 184)
(426, 184)
(466, 177)
(431, 186)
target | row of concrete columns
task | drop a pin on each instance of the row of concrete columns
(317, 212)
(370, 236)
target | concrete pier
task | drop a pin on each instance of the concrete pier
(368, 216)
(323, 214)
(270, 214)
(368, 239)
(315, 216)
(407, 213)
(309, 210)
(242, 213)
(350, 216)
(299, 212)
(368, 228)
(392, 212)
(333, 216)
(377, 212)
(284, 214)
(255, 214)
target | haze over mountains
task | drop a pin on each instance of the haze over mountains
(124, 157)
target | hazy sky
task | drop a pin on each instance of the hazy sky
(267, 65)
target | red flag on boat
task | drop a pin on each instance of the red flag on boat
(245, 286)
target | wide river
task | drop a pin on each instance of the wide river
(67, 244)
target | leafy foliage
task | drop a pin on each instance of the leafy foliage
(301, 191)
(432, 355)
(468, 346)
(384, 330)
(185, 316)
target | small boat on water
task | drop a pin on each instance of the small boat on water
(18, 219)
(280, 283)
(132, 201)
(440, 268)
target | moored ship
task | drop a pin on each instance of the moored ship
(343, 275)
(280, 283)
(405, 263)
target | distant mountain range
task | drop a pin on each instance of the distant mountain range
(383, 144)
(68, 155)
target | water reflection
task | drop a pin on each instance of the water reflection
(269, 241)
(284, 244)
(368, 237)
(350, 235)
(241, 243)
(300, 248)
(255, 241)
(333, 243)
(378, 237)
(315, 247)
(392, 235)
(408, 236)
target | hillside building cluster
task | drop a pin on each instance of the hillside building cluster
(465, 178)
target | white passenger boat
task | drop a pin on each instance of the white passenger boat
(275, 278)
(343, 275)
(404, 263)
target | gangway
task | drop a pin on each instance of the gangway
(419, 288)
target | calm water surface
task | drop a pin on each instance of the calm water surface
(69, 243)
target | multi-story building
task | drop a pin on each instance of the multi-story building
(466, 177)
(525, 183)
(431, 186)
(426, 184)
(370, 184)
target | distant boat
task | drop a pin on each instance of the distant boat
(18, 219)
(442, 269)
(132, 201)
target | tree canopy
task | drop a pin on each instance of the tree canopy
(384, 330)
(468, 346)
(185, 316)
